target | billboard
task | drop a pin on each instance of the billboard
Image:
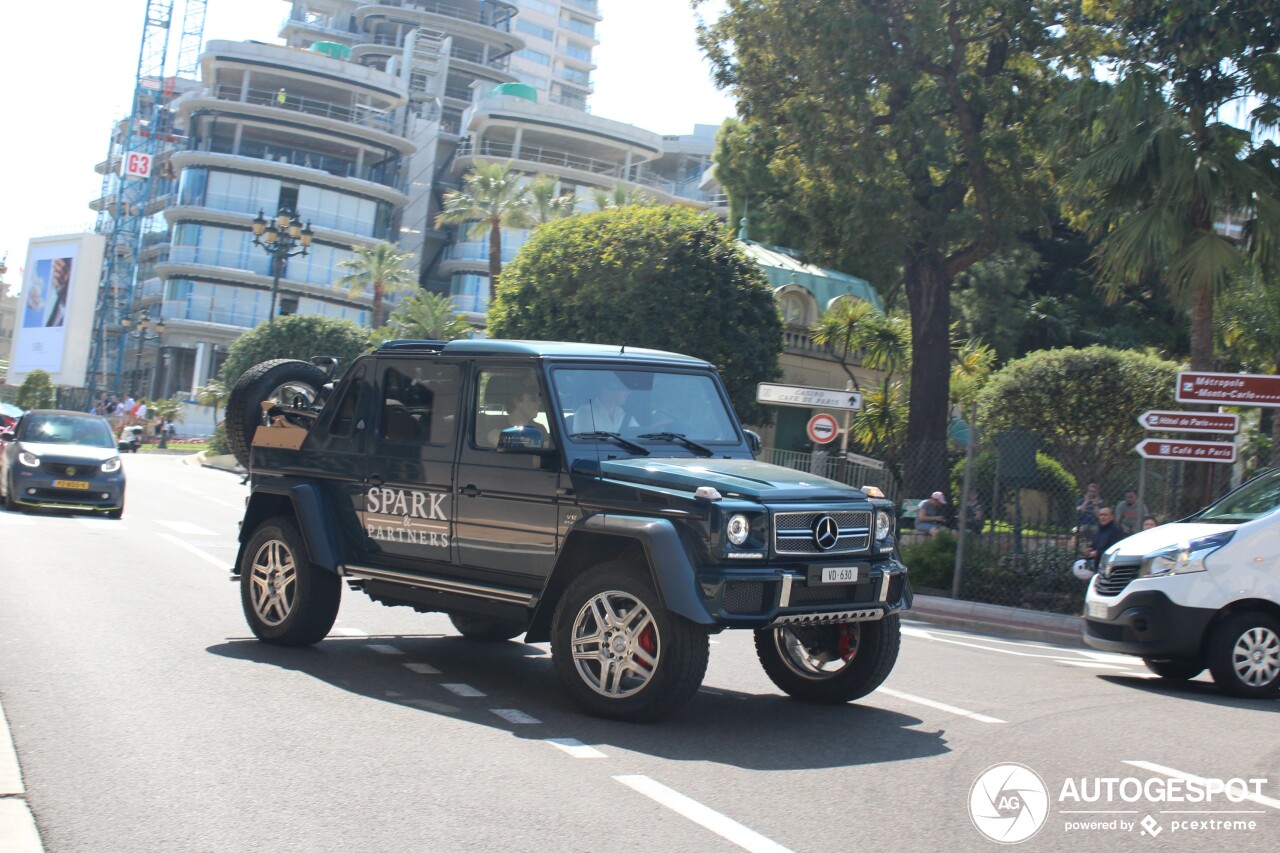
(55, 308)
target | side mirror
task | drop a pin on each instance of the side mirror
(522, 439)
(754, 444)
(8, 435)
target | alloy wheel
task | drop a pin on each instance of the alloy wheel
(615, 642)
(274, 578)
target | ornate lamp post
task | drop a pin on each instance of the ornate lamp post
(282, 238)
(136, 327)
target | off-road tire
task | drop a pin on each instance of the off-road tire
(636, 661)
(1174, 670)
(279, 380)
(874, 650)
(485, 628)
(1244, 655)
(287, 601)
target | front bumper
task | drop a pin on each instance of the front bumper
(770, 596)
(35, 489)
(1147, 624)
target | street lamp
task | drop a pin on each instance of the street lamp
(137, 328)
(282, 238)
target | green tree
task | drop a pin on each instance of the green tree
(425, 316)
(1249, 326)
(168, 408)
(380, 269)
(493, 197)
(914, 119)
(36, 391)
(548, 201)
(298, 336)
(1083, 402)
(213, 393)
(620, 196)
(1164, 168)
(650, 276)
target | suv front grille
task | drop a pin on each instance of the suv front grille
(793, 532)
(1115, 583)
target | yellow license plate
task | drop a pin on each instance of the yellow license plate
(71, 484)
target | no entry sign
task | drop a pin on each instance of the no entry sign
(1161, 421)
(1231, 389)
(1190, 451)
(823, 428)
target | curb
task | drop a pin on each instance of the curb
(18, 831)
(995, 619)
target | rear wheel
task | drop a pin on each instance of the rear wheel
(619, 653)
(10, 503)
(830, 663)
(283, 381)
(1244, 655)
(287, 601)
(485, 628)
(1174, 670)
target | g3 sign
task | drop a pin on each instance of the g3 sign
(136, 165)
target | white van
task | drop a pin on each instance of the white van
(1202, 592)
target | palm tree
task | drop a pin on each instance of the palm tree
(547, 202)
(380, 269)
(213, 393)
(492, 198)
(621, 196)
(428, 316)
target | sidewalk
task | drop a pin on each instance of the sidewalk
(995, 619)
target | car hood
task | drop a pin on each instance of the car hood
(745, 478)
(69, 452)
(1148, 541)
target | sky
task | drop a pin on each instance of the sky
(64, 87)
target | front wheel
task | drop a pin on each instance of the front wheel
(619, 653)
(1244, 655)
(287, 601)
(1174, 670)
(831, 663)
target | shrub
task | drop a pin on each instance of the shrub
(218, 442)
(36, 392)
(298, 336)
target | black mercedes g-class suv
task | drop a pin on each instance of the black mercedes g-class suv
(603, 498)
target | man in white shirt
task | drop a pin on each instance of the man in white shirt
(604, 412)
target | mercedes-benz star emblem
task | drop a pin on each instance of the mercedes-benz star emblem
(71, 472)
(825, 533)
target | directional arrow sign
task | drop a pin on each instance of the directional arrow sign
(809, 398)
(1190, 451)
(1231, 389)
(1162, 421)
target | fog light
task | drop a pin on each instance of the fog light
(106, 496)
(31, 491)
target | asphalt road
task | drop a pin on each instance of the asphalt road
(146, 719)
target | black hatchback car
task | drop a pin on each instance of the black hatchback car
(62, 460)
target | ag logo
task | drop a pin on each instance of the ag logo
(1008, 803)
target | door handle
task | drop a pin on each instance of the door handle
(374, 480)
(469, 491)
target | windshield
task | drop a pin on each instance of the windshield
(1253, 500)
(640, 404)
(67, 429)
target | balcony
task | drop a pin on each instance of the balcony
(338, 167)
(478, 251)
(493, 13)
(348, 113)
(538, 154)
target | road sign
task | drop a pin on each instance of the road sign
(1163, 421)
(1188, 451)
(1229, 389)
(809, 398)
(823, 428)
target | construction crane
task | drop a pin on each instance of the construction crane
(133, 183)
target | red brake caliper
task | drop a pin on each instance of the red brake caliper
(846, 645)
(649, 642)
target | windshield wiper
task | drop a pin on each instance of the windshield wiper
(700, 449)
(627, 443)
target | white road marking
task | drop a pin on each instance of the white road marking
(18, 830)
(422, 668)
(204, 555)
(10, 771)
(382, 648)
(462, 690)
(16, 519)
(513, 715)
(211, 498)
(726, 828)
(1187, 777)
(1057, 653)
(350, 632)
(1090, 664)
(437, 707)
(576, 748)
(940, 706)
(186, 528)
(101, 523)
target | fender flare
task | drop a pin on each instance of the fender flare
(310, 508)
(674, 575)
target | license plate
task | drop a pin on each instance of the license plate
(1096, 610)
(71, 484)
(840, 574)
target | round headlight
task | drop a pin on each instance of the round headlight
(29, 459)
(112, 464)
(883, 524)
(739, 529)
